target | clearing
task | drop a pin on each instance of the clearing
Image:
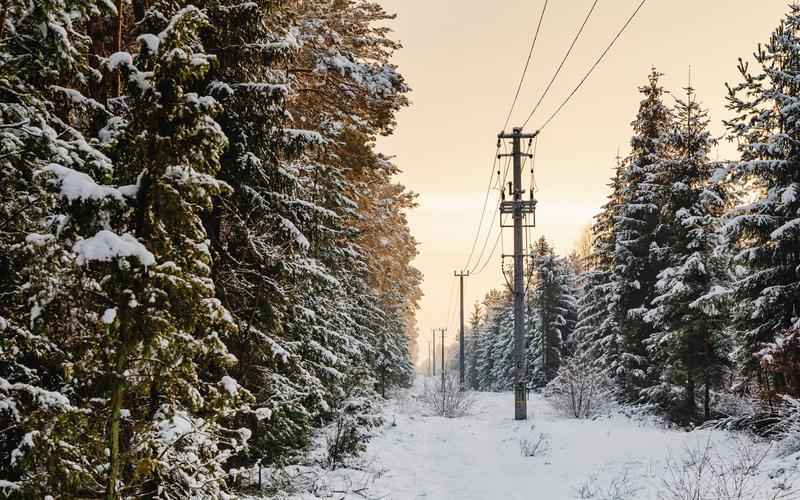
(479, 457)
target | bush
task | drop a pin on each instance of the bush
(703, 472)
(355, 417)
(788, 426)
(620, 487)
(452, 402)
(580, 392)
(535, 445)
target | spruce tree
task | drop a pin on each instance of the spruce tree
(553, 307)
(639, 254)
(765, 233)
(597, 335)
(688, 348)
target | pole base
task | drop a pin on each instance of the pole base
(520, 402)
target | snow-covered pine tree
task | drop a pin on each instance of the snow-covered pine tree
(552, 312)
(472, 341)
(44, 445)
(502, 350)
(597, 329)
(765, 232)
(494, 305)
(688, 348)
(638, 256)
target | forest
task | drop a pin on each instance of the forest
(203, 258)
(684, 293)
(207, 269)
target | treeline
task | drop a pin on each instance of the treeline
(691, 291)
(203, 258)
(550, 312)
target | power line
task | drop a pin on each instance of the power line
(527, 63)
(450, 300)
(596, 63)
(483, 210)
(563, 61)
(499, 239)
(489, 257)
(494, 218)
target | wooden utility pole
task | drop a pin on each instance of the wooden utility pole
(442, 330)
(444, 394)
(517, 208)
(430, 363)
(461, 277)
(433, 335)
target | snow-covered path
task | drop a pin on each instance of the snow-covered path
(478, 457)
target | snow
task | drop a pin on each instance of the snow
(178, 425)
(109, 316)
(7, 486)
(150, 41)
(76, 185)
(106, 246)
(263, 414)
(118, 59)
(38, 240)
(26, 442)
(230, 384)
(478, 457)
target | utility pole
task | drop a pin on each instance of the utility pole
(442, 330)
(430, 363)
(433, 332)
(444, 394)
(461, 277)
(518, 207)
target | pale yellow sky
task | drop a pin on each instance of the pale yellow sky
(463, 60)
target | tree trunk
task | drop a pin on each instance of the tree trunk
(117, 80)
(117, 397)
(690, 397)
(707, 397)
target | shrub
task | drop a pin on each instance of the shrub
(450, 402)
(580, 392)
(703, 472)
(535, 445)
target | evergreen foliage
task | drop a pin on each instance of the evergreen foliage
(204, 257)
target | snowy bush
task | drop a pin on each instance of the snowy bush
(535, 445)
(705, 471)
(621, 487)
(788, 427)
(355, 416)
(450, 402)
(580, 392)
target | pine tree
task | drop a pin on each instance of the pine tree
(688, 347)
(472, 341)
(553, 308)
(198, 240)
(765, 233)
(597, 330)
(639, 255)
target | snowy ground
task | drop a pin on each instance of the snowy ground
(478, 457)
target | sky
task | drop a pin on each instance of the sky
(463, 60)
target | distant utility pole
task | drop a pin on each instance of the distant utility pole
(444, 397)
(461, 275)
(430, 363)
(518, 207)
(433, 332)
(442, 330)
